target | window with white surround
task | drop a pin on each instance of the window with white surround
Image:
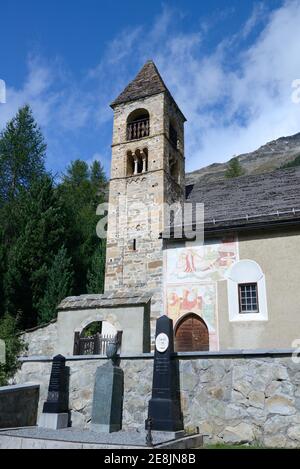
(247, 298)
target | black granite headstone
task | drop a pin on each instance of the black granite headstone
(164, 406)
(58, 395)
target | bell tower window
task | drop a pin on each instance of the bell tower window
(137, 162)
(173, 135)
(174, 167)
(138, 124)
(130, 164)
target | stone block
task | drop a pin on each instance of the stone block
(294, 433)
(257, 399)
(282, 405)
(54, 421)
(242, 433)
(8, 442)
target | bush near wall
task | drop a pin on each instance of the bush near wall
(14, 346)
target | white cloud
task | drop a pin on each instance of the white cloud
(35, 90)
(236, 97)
(102, 158)
(235, 109)
(258, 14)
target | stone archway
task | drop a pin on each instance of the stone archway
(191, 334)
(94, 337)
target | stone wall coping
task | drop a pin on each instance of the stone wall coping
(105, 300)
(180, 355)
(238, 353)
(37, 328)
(18, 387)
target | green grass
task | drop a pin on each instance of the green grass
(221, 446)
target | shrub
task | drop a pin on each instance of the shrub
(14, 346)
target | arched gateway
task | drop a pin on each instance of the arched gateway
(191, 334)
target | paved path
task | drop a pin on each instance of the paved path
(35, 437)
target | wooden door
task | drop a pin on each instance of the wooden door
(191, 335)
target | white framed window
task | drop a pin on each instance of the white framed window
(248, 298)
(246, 286)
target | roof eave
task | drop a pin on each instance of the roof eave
(117, 102)
(211, 230)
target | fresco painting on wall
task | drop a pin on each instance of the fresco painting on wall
(199, 299)
(208, 262)
(192, 274)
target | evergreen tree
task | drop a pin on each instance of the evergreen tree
(77, 173)
(2, 271)
(96, 272)
(37, 219)
(98, 178)
(59, 286)
(32, 254)
(22, 154)
(234, 168)
(292, 164)
(80, 193)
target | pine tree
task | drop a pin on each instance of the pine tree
(96, 272)
(59, 286)
(80, 193)
(292, 164)
(234, 168)
(98, 178)
(30, 257)
(2, 271)
(37, 219)
(22, 154)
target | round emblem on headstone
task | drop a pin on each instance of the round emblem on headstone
(162, 343)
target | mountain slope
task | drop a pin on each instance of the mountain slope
(268, 157)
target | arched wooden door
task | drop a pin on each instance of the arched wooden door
(191, 334)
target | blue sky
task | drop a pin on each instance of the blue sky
(229, 64)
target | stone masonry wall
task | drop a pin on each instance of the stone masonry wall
(42, 340)
(231, 400)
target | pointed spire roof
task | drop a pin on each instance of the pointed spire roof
(148, 82)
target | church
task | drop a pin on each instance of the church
(228, 279)
(235, 288)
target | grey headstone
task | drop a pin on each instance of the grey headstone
(108, 399)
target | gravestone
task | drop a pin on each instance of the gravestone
(108, 399)
(56, 409)
(164, 410)
(2, 352)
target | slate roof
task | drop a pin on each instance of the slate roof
(148, 82)
(249, 201)
(108, 299)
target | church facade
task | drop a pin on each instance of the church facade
(238, 289)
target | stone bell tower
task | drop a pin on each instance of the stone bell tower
(147, 170)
